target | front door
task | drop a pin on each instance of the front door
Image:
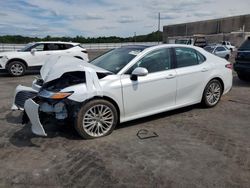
(154, 92)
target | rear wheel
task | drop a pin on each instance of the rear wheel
(97, 118)
(16, 68)
(227, 57)
(212, 93)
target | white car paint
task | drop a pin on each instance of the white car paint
(154, 93)
(33, 58)
(228, 45)
(219, 50)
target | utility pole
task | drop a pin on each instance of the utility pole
(159, 26)
(135, 36)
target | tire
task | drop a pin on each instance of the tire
(212, 93)
(90, 123)
(16, 68)
(227, 57)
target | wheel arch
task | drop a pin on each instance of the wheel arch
(111, 101)
(16, 59)
(221, 82)
(215, 78)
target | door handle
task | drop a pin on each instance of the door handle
(204, 69)
(47, 54)
(170, 76)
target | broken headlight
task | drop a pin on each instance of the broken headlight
(54, 95)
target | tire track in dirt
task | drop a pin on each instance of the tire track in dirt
(230, 148)
(83, 168)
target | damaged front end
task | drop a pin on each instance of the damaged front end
(49, 104)
(61, 89)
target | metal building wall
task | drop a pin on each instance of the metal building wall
(208, 27)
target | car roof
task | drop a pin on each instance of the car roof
(59, 42)
(141, 47)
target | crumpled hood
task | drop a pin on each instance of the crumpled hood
(56, 66)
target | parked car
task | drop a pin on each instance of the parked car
(219, 51)
(242, 60)
(228, 45)
(34, 55)
(196, 40)
(123, 84)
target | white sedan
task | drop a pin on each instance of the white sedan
(34, 55)
(124, 84)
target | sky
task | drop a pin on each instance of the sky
(93, 18)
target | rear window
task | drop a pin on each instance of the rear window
(200, 41)
(209, 48)
(66, 46)
(245, 45)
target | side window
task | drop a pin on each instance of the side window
(220, 49)
(53, 46)
(39, 47)
(64, 46)
(158, 60)
(186, 57)
(200, 57)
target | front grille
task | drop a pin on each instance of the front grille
(22, 96)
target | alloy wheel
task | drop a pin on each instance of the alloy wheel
(98, 120)
(213, 93)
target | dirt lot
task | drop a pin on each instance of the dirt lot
(195, 147)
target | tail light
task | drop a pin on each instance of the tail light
(84, 51)
(229, 66)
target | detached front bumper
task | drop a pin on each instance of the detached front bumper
(32, 110)
(22, 93)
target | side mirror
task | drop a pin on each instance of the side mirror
(33, 50)
(139, 71)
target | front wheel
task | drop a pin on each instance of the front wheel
(96, 118)
(16, 68)
(212, 93)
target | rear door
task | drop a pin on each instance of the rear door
(192, 72)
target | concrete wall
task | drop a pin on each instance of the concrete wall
(208, 27)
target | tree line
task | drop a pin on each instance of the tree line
(18, 39)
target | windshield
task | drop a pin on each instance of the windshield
(116, 59)
(209, 48)
(26, 48)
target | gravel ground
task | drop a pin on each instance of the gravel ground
(195, 147)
